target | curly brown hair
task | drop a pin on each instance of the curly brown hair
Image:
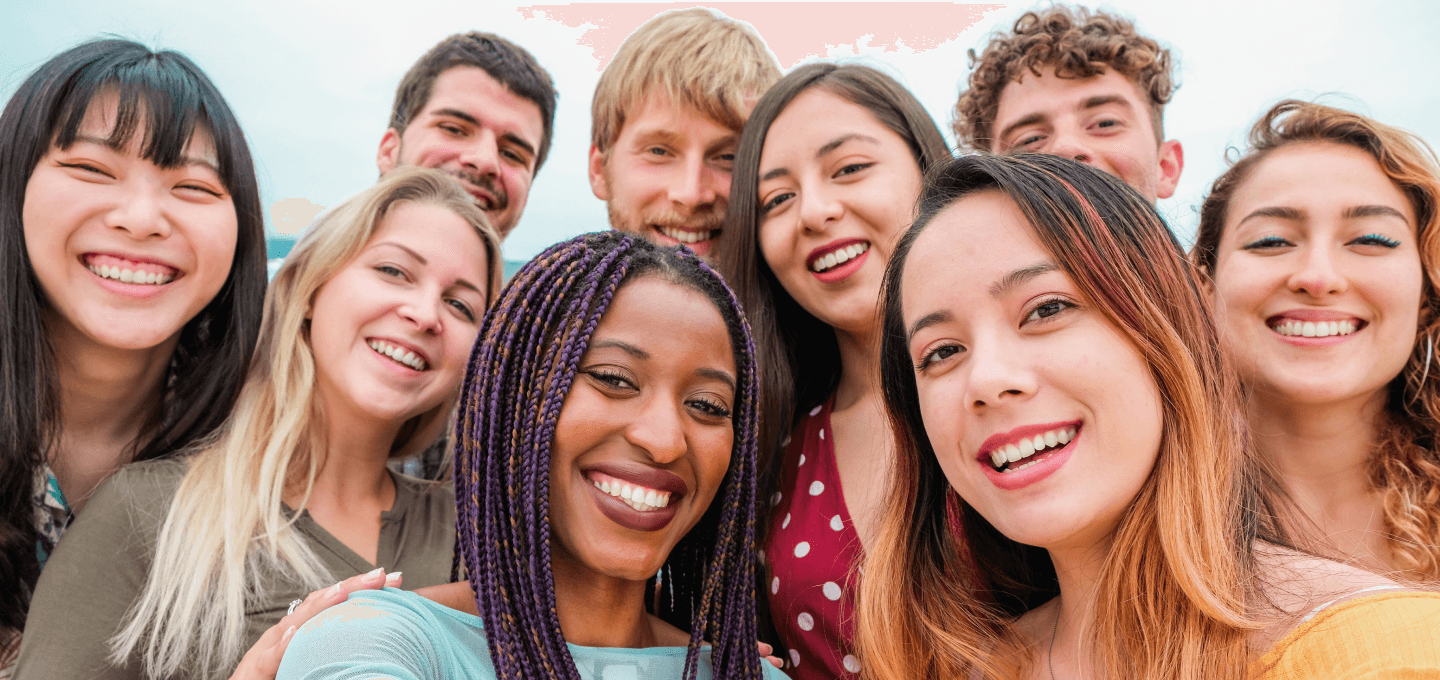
(1078, 43)
(1405, 463)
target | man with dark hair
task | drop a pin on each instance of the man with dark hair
(1080, 84)
(480, 108)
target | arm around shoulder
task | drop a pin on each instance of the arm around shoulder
(1391, 636)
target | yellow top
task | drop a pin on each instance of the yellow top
(1391, 635)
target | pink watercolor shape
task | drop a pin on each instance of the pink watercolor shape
(795, 31)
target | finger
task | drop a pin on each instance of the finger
(269, 661)
(394, 579)
(775, 661)
(765, 650)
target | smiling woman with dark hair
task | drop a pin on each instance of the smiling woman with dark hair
(604, 485)
(132, 269)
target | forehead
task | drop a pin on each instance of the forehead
(1317, 176)
(695, 332)
(101, 118)
(794, 132)
(965, 249)
(471, 90)
(1050, 96)
(657, 113)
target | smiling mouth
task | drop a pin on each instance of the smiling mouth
(1031, 450)
(129, 271)
(686, 236)
(1315, 329)
(838, 257)
(399, 355)
(642, 499)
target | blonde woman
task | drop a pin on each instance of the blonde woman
(180, 566)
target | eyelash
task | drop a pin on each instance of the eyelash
(712, 408)
(931, 357)
(1062, 302)
(775, 202)
(1376, 240)
(852, 169)
(1267, 242)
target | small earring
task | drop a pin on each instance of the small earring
(1429, 353)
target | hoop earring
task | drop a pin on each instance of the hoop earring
(1429, 353)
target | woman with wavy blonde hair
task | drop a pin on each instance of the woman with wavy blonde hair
(1073, 495)
(1323, 245)
(367, 329)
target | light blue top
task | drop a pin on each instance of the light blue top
(397, 634)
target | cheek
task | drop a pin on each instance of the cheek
(775, 245)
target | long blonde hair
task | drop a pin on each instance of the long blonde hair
(942, 587)
(209, 559)
(1404, 464)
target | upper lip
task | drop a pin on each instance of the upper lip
(828, 248)
(1000, 439)
(644, 475)
(126, 256)
(1313, 314)
(407, 346)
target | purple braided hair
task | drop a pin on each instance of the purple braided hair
(518, 376)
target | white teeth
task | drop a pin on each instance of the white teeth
(638, 497)
(839, 257)
(1314, 329)
(399, 354)
(130, 275)
(1029, 446)
(688, 237)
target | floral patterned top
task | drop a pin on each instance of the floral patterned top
(52, 513)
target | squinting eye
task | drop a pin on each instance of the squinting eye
(1048, 309)
(937, 355)
(463, 308)
(775, 202)
(1267, 242)
(710, 408)
(389, 270)
(1375, 240)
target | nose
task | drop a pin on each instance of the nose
(999, 374)
(659, 430)
(1318, 274)
(694, 185)
(819, 209)
(1070, 145)
(482, 154)
(140, 213)
(422, 309)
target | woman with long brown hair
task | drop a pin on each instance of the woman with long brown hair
(826, 176)
(1323, 243)
(1048, 356)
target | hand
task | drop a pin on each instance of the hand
(262, 661)
(769, 653)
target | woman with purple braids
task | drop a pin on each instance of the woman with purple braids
(605, 480)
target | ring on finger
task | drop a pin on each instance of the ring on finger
(293, 605)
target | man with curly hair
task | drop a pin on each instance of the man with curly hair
(1080, 84)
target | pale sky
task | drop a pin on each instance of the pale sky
(312, 83)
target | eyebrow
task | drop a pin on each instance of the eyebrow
(472, 120)
(713, 374)
(820, 153)
(1359, 211)
(184, 160)
(459, 282)
(622, 346)
(1020, 276)
(1275, 211)
(931, 319)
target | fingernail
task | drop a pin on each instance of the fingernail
(378, 571)
(393, 577)
(289, 633)
(333, 591)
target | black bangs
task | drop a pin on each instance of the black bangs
(161, 96)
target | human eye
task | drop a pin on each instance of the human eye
(462, 308)
(935, 355)
(611, 378)
(1107, 123)
(1375, 240)
(1026, 142)
(84, 167)
(1047, 309)
(390, 271)
(775, 201)
(451, 128)
(710, 407)
(1267, 243)
(851, 169)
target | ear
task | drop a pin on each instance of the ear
(388, 157)
(598, 183)
(1172, 161)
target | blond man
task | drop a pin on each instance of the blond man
(1080, 84)
(666, 120)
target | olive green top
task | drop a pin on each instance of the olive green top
(102, 563)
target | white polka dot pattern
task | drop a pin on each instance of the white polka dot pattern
(805, 621)
(832, 590)
(802, 549)
(794, 658)
(822, 433)
(786, 524)
(802, 460)
(836, 523)
(815, 411)
(817, 487)
(775, 585)
(851, 663)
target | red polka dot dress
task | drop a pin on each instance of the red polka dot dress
(810, 554)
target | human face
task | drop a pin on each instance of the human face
(1101, 121)
(97, 217)
(391, 331)
(647, 412)
(476, 129)
(667, 178)
(1317, 236)
(836, 188)
(1009, 354)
